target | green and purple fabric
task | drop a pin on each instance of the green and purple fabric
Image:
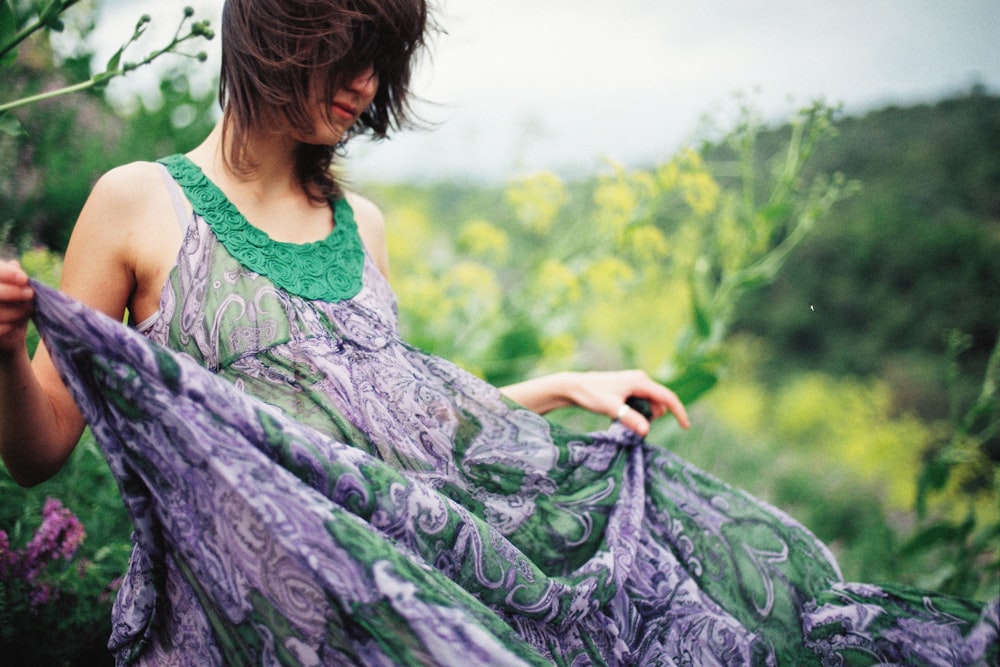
(308, 489)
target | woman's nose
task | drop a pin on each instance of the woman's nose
(365, 83)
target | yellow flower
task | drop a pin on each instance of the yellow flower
(537, 200)
(471, 280)
(742, 404)
(616, 202)
(645, 183)
(474, 291)
(668, 175)
(701, 192)
(647, 243)
(421, 298)
(558, 350)
(616, 205)
(409, 235)
(608, 276)
(556, 283)
(687, 172)
(849, 422)
(483, 239)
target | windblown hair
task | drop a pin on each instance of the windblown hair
(277, 55)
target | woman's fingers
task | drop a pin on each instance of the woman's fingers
(12, 274)
(16, 304)
(14, 287)
(673, 405)
(661, 400)
(632, 419)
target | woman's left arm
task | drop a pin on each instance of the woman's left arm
(603, 393)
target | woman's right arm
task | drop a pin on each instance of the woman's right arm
(39, 422)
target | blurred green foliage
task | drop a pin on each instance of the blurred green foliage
(878, 287)
(55, 151)
(22, 19)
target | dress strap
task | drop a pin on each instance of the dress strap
(177, 196)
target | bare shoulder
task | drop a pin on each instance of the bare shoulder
(122, 238)
(126, 195)
(366, 213)
(130, 182)
(127, 203)
(371, 227)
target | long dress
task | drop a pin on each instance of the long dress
(308, 489)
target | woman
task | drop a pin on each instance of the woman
(325, 493)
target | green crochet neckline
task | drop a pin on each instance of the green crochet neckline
(330, 269)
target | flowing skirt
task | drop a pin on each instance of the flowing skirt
(261, 541)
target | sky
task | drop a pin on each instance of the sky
(517, 86)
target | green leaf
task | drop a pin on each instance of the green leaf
(8, 31)
(776, 214)
(701, 320)
(933, 535)
(100, 81)
(10, 125)
(986, 537)
(753, 278)
(933, 477)
(114, 61)
(51, 12)
(691, 383)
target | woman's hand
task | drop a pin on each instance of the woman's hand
(16, 307)
(603, 393)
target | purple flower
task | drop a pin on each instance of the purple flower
(58, 537)
(41, 594)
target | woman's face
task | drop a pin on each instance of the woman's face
(333, 118)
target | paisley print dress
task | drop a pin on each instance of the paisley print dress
(309, 489)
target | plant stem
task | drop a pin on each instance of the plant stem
(32, 28)
(75, 88)
(104, 77)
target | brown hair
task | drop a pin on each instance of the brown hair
(276, 53)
